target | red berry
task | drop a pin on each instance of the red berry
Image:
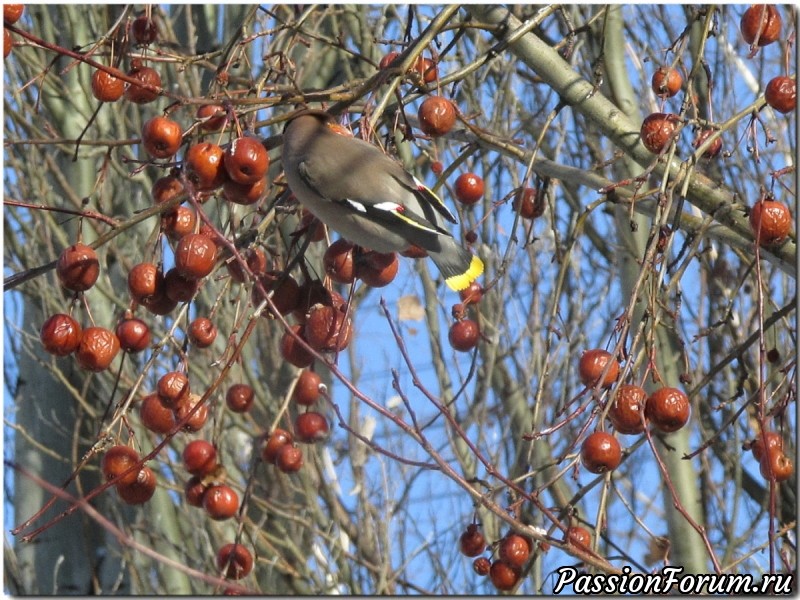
(220, 502)
(437, 115)
(600, 452)
(200, 457)
(530, 204)
(155, 416)
(244, 193)
(246, 160)
(437, 167)
(12, 13)
(77, 267)
(202, 332)
(146, 76)
(97, 349)
(627, 409)
(60, 335)
(668, 409)
(472, 543)
(106, 87)
(776, 461)
(141, 490)
(377, 269)
(235, 561)
(292, 351)
(277, 440)
(199, 416)
(116, 461)
(214, 115)
(774, 443)
(145, 281)
(194, 490)
(464, 335)
(239, 397)
(195, 256)
(770, 221)
(256, 260)
(503, 575)
(204, 166)
(8, 43)
(592, 364)
(481, 566)
(145, 30)
(133, 334)
(666, 82)
(338, 261)
(781, 94)
(286, 292)
(161, 137)
(658, 131)
(714, 149)
(578, 536)
(761, 21)
(173, 389)
(387, 60)
(471, 294)
(326, 329)
(311, 427)
(306, 390)
(178, 288)
(515, 550)
(289, 459)
(426, 69)
(469, 188)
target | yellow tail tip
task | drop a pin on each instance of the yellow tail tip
(462, 281)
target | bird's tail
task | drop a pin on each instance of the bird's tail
(458, 266)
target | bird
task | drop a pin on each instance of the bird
(368, 197)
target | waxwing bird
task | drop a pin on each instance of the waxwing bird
(369, 198)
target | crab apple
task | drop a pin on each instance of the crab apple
(145, 281)
(503, 575)
(235, 560)
(145, 30)
(195, 256)
(141, 490)
(246, 160)
(579, 536)
(627, 409)
(12, 13)
(774, 442)
(116, 461)
(529, 203)
(146, 76)
(762, 21)
(482, 566)
(256, 260)
(194, 490)
(311, 427)
(60, 335)
(155, 416)
(220, 502)
(276, 440)
(291, 349)
(327, 329)
(776, 461)
(161, 137)
(200, 457)
(77, 267)
(239, 397)
(657, 131)
(666, 82)
(426, 69)
(306, 390)
(388, 59)
(714, 149)
(471, 294)
(437, 115)
(464, 335)
(213, 116)
(289, 458)
(339, 262)
(106, 87)
(199, 416)
(515, 550)
(377, 269)
(244, 193)
(204, 166)
(781, 94)
(472, 543)
(202, 332)
(8, 43)
(592, 364)
(97, 349)
(770, 221)
(179, 288)
(313, 228)
(600, 452)
(285, 292)
(173, 389)
(133, 334)
(469, 188)
(667, 409)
